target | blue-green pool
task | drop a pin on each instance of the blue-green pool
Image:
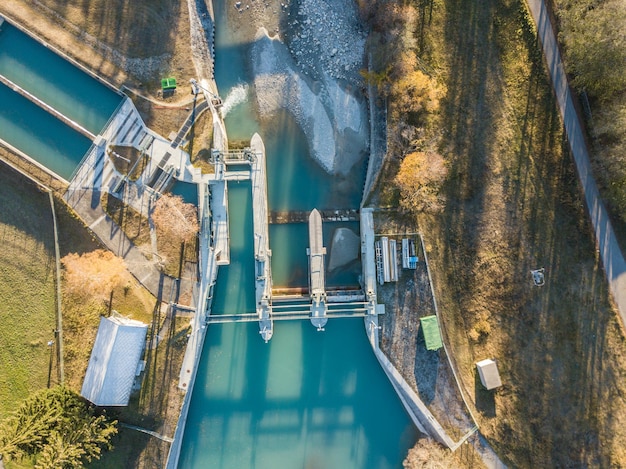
(39, 134)
(54, 80)
(187, 190)
(304, 400)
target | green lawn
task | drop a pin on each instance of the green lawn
(27, 290)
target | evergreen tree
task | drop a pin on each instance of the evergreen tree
(58, 427)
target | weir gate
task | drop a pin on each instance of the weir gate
(315, 303)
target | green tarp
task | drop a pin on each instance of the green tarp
(430, 328)
(168, 83)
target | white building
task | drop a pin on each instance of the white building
(489, 375)
(115, 361)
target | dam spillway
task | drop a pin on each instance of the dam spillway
(250, 164)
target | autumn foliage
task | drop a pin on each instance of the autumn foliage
(93, 274)
(419, 181)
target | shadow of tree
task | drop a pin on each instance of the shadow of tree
(513, 205)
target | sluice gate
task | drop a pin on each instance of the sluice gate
(301, 216)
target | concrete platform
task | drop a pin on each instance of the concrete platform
(262, 252)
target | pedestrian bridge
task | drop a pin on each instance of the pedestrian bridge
(290, 312)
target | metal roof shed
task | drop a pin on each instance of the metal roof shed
(430, 328)
(114, 361)
(489, 375)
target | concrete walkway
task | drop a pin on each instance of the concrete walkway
(606, 241)
(86, 203)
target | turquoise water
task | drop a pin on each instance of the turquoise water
(304, 400)
(187, 190)
(55, 81)
(297, 181)
(234, 290)
(289, 242)
(39, 134)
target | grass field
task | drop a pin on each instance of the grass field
(513, 204)
(27, 289)
(27, 322)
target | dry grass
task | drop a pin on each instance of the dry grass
(200, 139)
(81, 320)
(164, 119)
(125, 159)
(513, 204)
(607, 138)
(132, 223)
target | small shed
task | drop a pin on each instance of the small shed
(114, 362)
(430, 329)
(489, 375)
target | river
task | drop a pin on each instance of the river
(306, 399)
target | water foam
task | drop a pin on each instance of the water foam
(236, 96)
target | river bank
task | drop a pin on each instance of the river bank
(309, 66)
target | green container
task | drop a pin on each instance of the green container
(168, 83)
(430, 328)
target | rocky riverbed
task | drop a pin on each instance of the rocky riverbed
(305, 56)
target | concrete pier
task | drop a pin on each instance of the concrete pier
(317, 269)
(262, 252)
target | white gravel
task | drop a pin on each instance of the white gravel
(326, 38)
(333, 120)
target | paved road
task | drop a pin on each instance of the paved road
(612, 257)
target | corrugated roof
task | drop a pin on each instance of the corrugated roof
(430, 328)
(116, 352)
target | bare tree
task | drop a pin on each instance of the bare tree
(94, 274)
(175, 218)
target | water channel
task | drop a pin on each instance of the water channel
(56, 81)
(306, 399)
(61, 85)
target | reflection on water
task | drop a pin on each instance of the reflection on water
(304, 400)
